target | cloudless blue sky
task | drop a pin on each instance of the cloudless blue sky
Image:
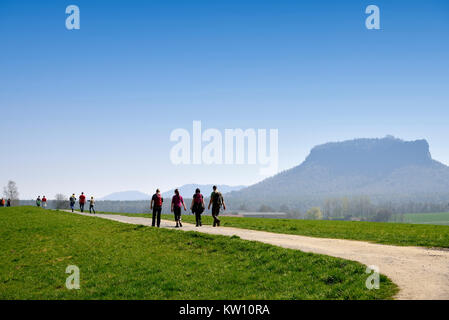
(92, 109)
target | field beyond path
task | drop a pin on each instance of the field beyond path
(420, 273)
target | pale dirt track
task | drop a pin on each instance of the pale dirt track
(420, 273)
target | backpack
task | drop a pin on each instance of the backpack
(177, 200)
(198, 203)
(217, 199)
(158, 200)
(198, 198)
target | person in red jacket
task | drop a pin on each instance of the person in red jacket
(44, 202)
(82, 201)
(156, 206)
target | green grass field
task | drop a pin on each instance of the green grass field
(122, 261)
(428, 218)
(402, 234)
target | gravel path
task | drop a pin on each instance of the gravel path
(420, 273)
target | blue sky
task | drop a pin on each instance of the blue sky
(92, 109)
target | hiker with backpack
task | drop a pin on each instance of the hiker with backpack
(176, 202)
(91, 205)
(197, 206)
(44, 202)
(72, 200)
(156, 206)
(216, 200)
(38, 201)
(2, 202)
(82, 201)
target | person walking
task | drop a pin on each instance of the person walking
(38, 201)
(2, 202)
(91, 205)
(156, 206)
(197, 206)
(72, 200)
(8, 203)
(82, 201)
(44, 202)
(216, 200)
(176, 202)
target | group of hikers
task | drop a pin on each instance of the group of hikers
(177, 204)
(72, 200)
(41, 202)
(82, 202)
(197, 206)
(5, 203)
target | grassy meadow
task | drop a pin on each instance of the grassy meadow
(122, 261)
(441, 218)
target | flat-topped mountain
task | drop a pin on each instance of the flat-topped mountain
(375, 167)
(370, 156)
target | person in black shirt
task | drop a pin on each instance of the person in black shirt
(156, 206)
(197, 206)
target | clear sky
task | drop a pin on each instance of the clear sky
(92, 109)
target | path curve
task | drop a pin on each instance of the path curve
(420, 273)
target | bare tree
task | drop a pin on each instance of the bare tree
(61, 202)
(10, 191)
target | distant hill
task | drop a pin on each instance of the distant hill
(384, 168)
(188, 190)
(126, 196)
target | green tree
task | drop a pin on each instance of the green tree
(265, 208)
(314, 214)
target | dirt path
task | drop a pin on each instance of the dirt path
(420, 273)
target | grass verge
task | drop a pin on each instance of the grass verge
(402, 234)
(121, 261)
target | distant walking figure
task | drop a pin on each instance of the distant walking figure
(156, 206)
(197, 206)
(8, 203)
(2, 202)
(91, 205)
(44, 202)
(72, 202)
(82, 201)
(176, 202)
(216, 200)
(38, 201)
